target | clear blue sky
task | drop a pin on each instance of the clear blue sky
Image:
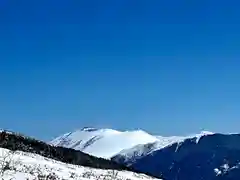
(168, 67)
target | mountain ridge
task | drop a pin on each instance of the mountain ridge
(206, 158)
(96, 141)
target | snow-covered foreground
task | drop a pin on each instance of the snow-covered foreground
(25, 166)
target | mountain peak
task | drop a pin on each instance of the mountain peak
(206, 133)
(97, 141)
(89, 129)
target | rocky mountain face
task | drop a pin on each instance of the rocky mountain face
(210, 157)
(129, 156)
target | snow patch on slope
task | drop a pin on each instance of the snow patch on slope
(138, 151)
(29, 166)
(145, 149)
(200, 135)
(103, 143)
(225, 168)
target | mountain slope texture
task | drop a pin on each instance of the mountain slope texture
(129, 156)
(97, 141)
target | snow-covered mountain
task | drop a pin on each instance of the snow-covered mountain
(103, 143)
(206, 156)
(19, 165)
(128, 156)
(108, 143)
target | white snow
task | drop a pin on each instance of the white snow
(162, 142)
(103, 143)
(225, 167)
(143, 150)
(217, 171)
(203, 133)
(107, 143)
(27, 166)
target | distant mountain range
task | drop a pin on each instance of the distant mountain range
(204, 156)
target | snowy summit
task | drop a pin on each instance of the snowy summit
(103, 143)
(107, 143)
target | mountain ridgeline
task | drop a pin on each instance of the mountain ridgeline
(103, 143)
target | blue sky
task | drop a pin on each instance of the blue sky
(168, 67)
